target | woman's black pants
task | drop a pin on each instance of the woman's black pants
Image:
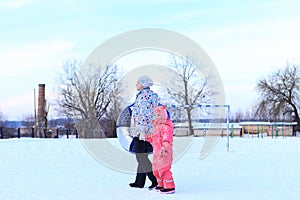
(144, 165)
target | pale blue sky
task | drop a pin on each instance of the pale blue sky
(245, 39)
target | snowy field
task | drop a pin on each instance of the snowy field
(54, 169)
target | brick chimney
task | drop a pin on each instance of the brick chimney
(41, 106)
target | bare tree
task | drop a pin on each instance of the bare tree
(280, 94)
(188, 88)
(109, 121)
(85, 94)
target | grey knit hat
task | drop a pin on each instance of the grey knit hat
(146, 81)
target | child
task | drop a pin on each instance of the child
(162, 139)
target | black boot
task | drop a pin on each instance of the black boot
(158, 188)
(140, 180)
(153, 185)
(135, 185)
(168, 191)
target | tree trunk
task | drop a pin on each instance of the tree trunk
(191, 129)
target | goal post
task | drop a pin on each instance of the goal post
(204, 117)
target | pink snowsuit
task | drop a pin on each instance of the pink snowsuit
(162, 140)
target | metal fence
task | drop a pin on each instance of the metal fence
(6, 133)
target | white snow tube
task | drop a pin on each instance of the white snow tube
(123, 127)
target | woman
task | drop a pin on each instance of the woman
(142, 115)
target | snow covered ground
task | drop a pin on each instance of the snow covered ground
(63, 169)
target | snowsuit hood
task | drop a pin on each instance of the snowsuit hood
(160, 115)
